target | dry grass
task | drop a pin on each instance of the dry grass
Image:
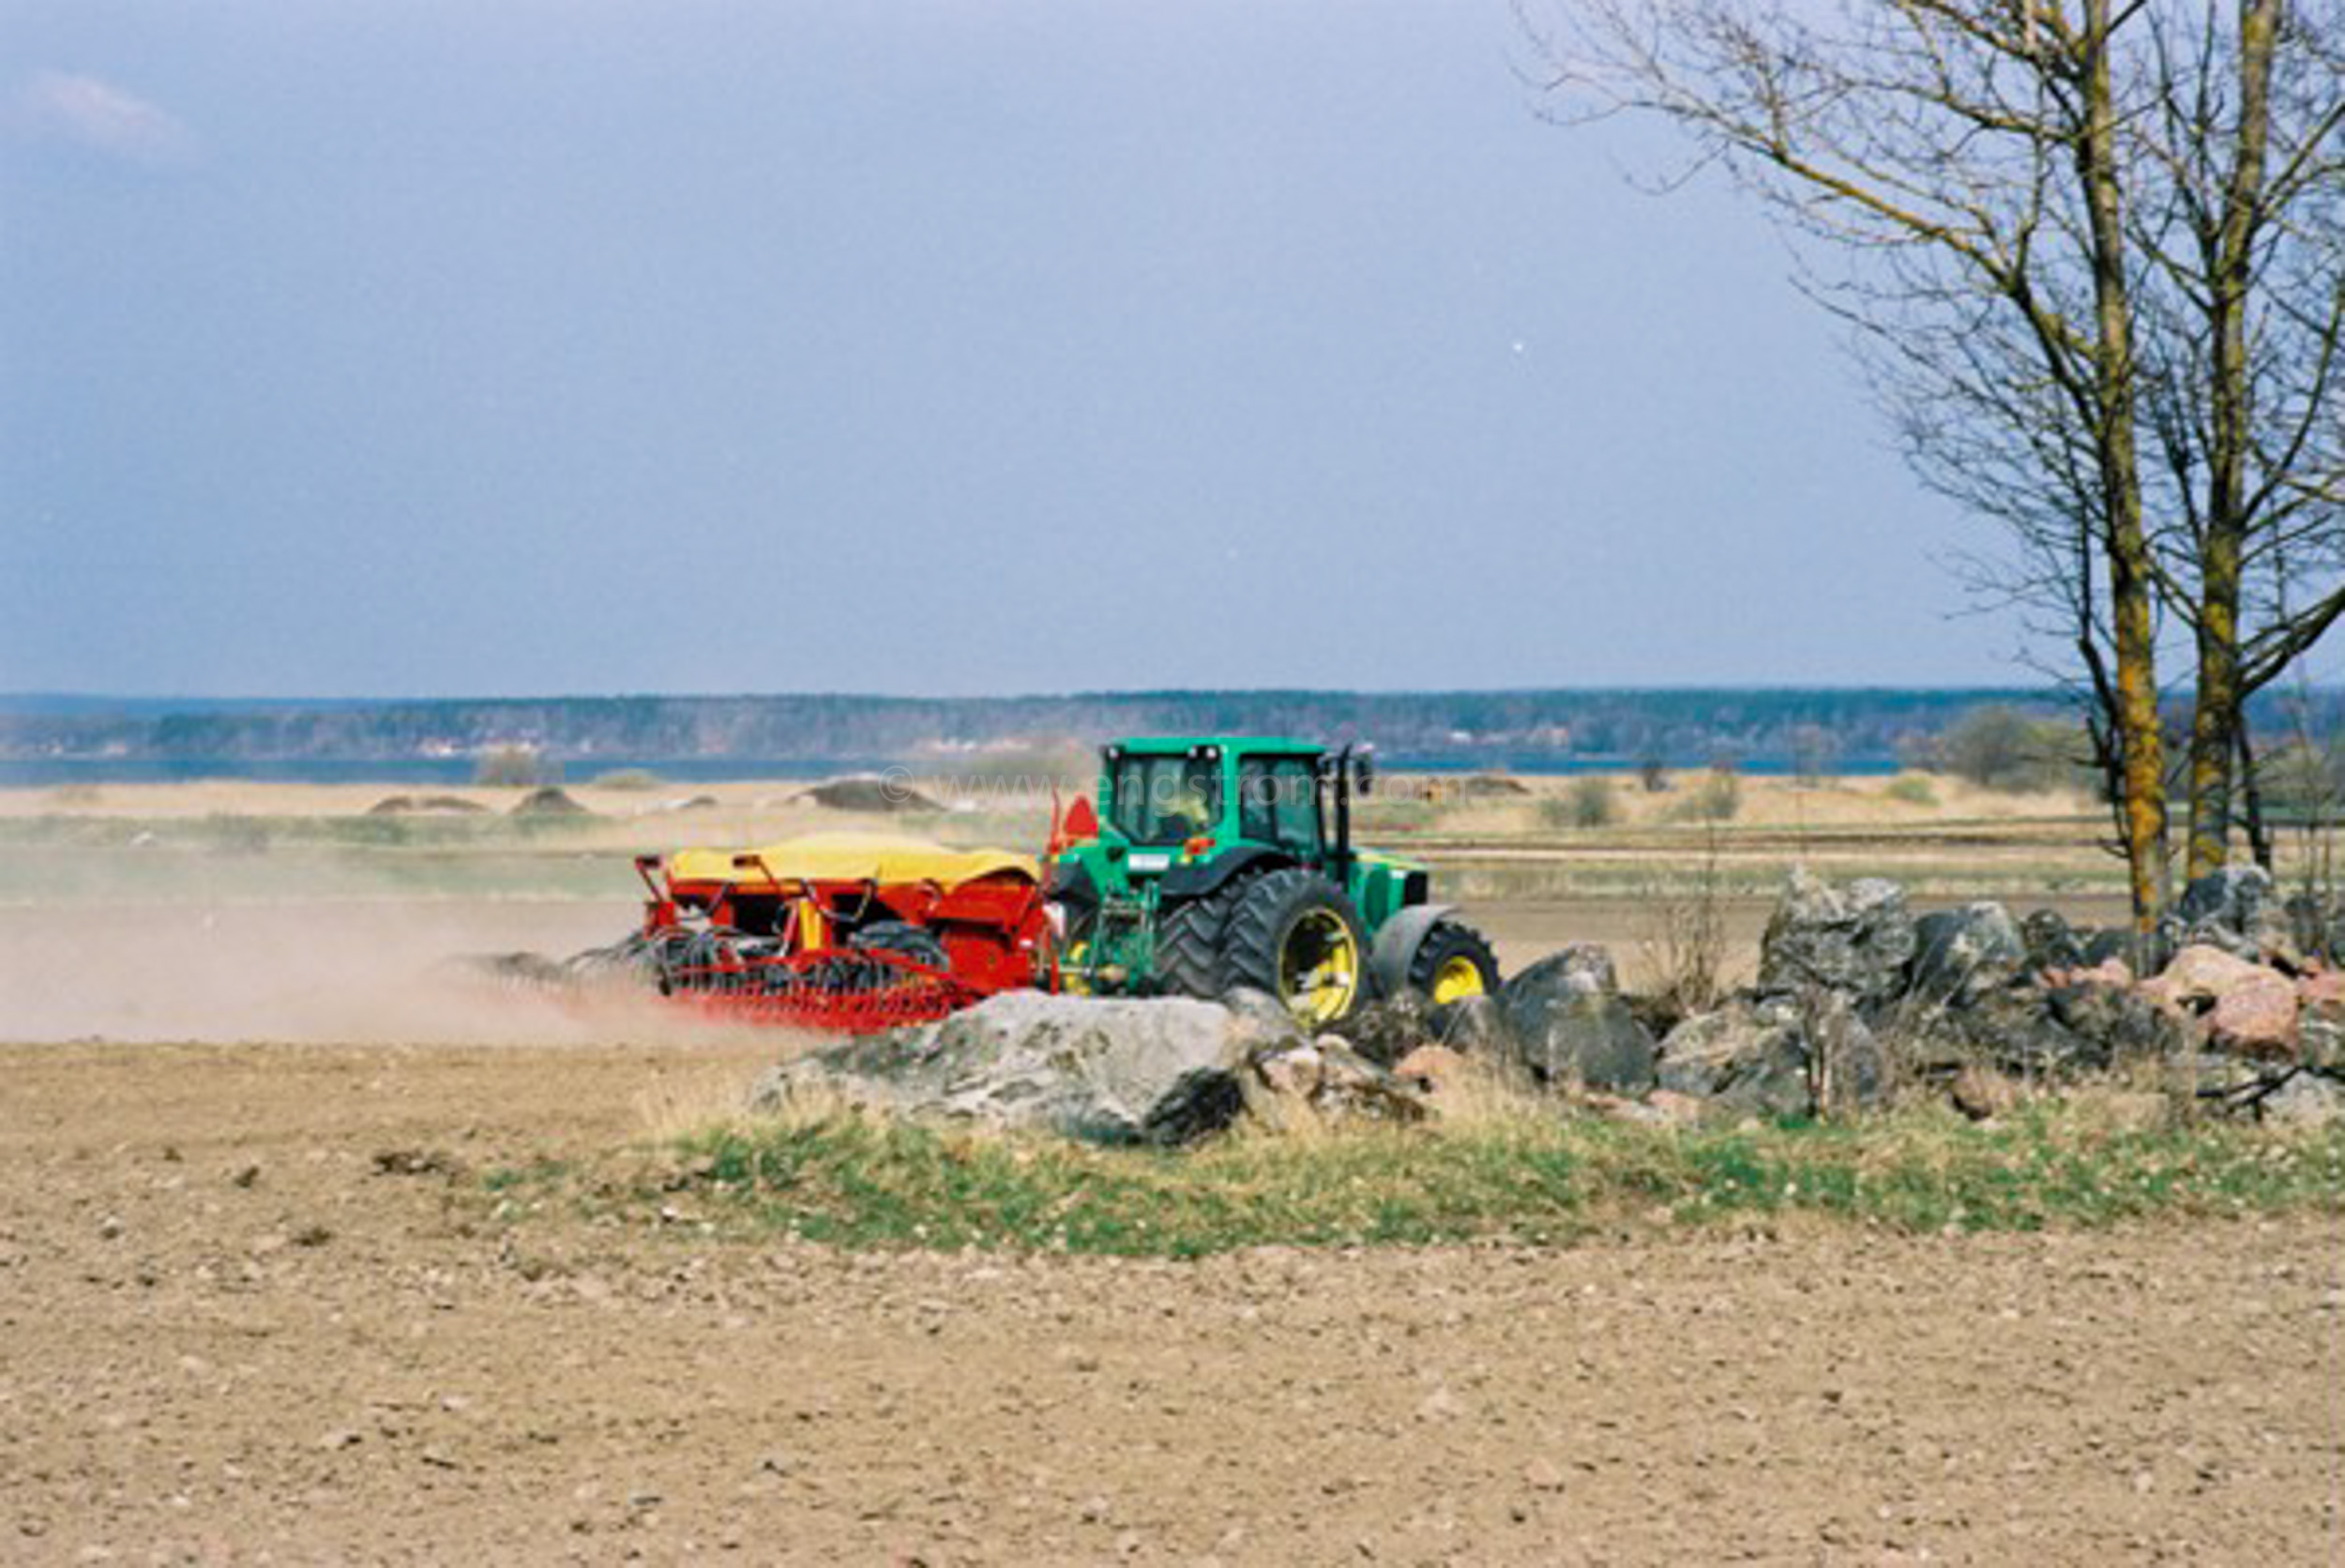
(1511, 1171)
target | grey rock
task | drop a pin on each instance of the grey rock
(1475, 1025)
(1583, 1037)
(1847, 1068)
(1579, 967)
(2142, 954)
(2316, 924)
(1963, 955)
(1164, 1070)
(2118, 1023)
(2051, 942)
(1858, 939)
(1262, 1021)
(2305, 1099)
(1749, 1056)
(1334, 1081)
(1388, 1029)
(2011, 1030)
(2321, 1035)
(2234, 896)
(2238, 909)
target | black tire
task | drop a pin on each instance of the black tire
(1278, 910)
(1188, 941)
(1448, 943)
(905, 940)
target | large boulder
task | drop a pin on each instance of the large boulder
(1857, 939)
(1585, 1038)
(1164, 1070)
(1750, 1057)
(1963, 955)
(2199, 977)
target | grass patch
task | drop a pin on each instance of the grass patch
(851, 1181)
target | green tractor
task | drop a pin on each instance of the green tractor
(1227, 861)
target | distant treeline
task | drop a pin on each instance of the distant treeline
(1805, 728)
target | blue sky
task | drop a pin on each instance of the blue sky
(925, 348)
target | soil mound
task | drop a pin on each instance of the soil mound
(549, 801)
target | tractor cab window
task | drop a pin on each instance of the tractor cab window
(1278, 801)
(1164, 800)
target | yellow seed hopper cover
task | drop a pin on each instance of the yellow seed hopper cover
(850, 857)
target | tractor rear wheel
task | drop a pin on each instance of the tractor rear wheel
(1295, 935)
(1188, 942)
(1451, 964)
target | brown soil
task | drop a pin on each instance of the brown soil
(256, 1303)
(253, 1301)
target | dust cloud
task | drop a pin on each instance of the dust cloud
(365, 971)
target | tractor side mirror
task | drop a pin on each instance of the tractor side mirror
(1364, 768)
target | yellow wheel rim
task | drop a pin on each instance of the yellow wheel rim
(1319, 968)
(1457, 978)
(1074, 970)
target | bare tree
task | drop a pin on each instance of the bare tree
(2241, 232)
(1982, 181)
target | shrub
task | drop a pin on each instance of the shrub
(2000, 747)
(1911, 788)
(514, 766)
(628, 778)
(1716, 799)
(1683, 935)
(1586, 801)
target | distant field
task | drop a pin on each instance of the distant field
(1528, 876)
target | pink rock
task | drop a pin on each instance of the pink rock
(1434, 1066)
(2322, 986)
(2258, 1019)
(2108, 972)
(2158, 991)
(1678, 1110)
(2203, 974)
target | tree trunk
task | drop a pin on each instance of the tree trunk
(2133, 624)
(2217, 722)
(2252, 795)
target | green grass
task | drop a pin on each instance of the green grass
(849, 1181)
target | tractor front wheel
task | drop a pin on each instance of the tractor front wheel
(1451, 964)
(1295, 935)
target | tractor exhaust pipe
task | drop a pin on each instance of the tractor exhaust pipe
(1342, 857)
